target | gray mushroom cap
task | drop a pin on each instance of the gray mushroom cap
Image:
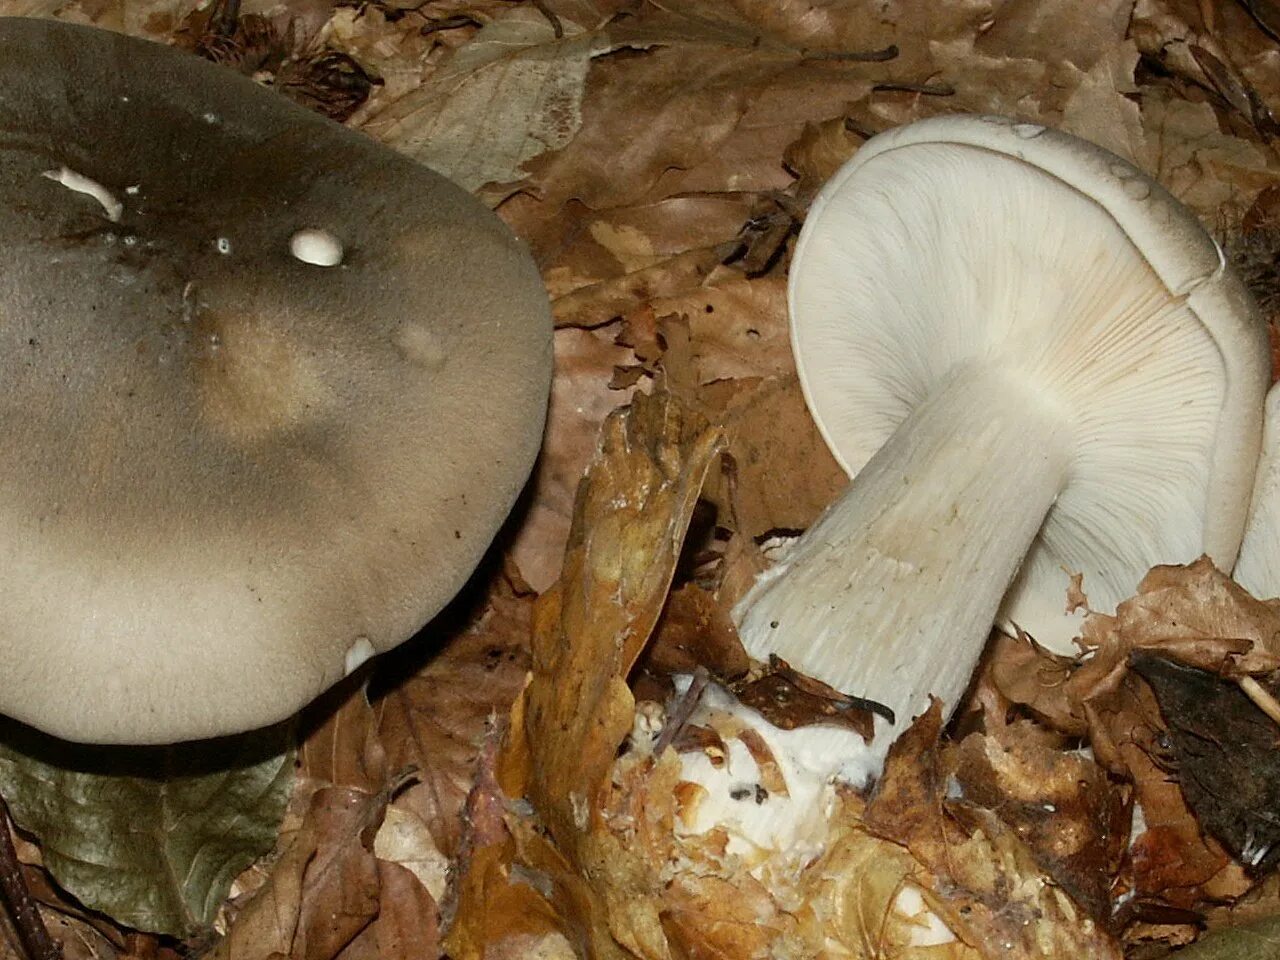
(231, 471)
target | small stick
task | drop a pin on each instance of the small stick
(1261, 697)
(557, 28)
(682, 711)
(853, 56)
(27, 922)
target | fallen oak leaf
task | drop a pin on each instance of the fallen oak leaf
(323, 891)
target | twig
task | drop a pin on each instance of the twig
(853, 56)
(682, 711)
(928, 89)
(22, 909)
(1261, 697)
(448, 23)
(556, 26)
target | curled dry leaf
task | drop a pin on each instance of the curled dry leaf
(630, 515)
(987, 885)
(1061, 804)
(322, 892)
(434, 718)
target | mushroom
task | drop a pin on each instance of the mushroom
(1034, 362)
(270, 389)
(1258, 569)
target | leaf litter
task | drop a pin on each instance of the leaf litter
(507, 786)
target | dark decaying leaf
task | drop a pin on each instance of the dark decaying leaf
(1062, 805)
(987, 886)
(152, 837)
(695, 630)
(789, 699)
(1226, 756)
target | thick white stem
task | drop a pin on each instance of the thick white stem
(892, 593)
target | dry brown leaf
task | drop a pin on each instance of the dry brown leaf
(322, 892)
(1217, 175)
(435, 720)
(767, 424)
(1056, 30)
(1061, 804)
(405, 839)
(1029, 675)
(819, 152)
(580, 400)
(716, 117)
(735, 328)
(407, 926)
(510, 94)
(599, 266)
(695, 631)
(1192, 613)
(1242, 59)
(984, 879)
(344, 750)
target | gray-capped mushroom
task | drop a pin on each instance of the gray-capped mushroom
(269, 391)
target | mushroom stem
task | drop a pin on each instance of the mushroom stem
(915, 556)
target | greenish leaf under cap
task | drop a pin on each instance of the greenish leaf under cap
(1259, 940)
(152, 837)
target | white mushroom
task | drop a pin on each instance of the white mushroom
(1021, 347)
(1258, 569)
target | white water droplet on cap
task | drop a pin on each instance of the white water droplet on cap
(357, 654)
(318, 247)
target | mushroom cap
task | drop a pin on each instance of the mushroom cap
(1258, 569)
(963, 239)
(233, 473)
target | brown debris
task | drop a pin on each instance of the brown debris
(788, 699)
(1223, 755)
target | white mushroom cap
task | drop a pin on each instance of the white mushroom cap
(232, 473)
(1258, 569)
(1021, 347)
(993, 239)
